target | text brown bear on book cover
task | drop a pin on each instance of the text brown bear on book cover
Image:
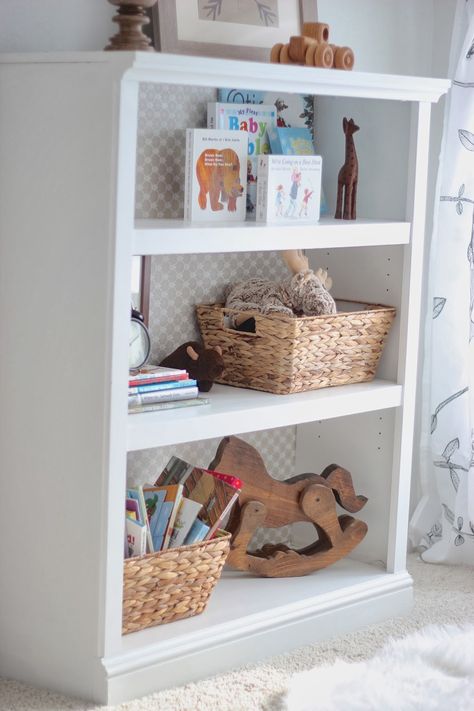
(217, 492)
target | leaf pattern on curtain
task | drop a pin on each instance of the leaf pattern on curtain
(470, 259)
(443, 523)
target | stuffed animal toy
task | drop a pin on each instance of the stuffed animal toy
(306, 292)
(203, 364)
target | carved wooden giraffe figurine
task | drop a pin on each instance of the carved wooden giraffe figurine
(348, 175)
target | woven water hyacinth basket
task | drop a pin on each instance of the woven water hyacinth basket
(290, 355)
(173, 584)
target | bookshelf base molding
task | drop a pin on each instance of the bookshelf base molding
(371, 598)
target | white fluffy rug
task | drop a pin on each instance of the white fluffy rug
(431, 670)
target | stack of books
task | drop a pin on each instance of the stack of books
(186, 504)
(154, 387)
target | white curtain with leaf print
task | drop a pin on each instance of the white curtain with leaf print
(443, 523)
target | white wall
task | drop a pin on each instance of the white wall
(393, 36)
(49, 25)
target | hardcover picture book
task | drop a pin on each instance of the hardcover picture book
(144, 398)
(136, 538)
(254, 119)
(156, 374)
(215, 175)
(291, 141)
(162, 504)
(291, 109)
(216, 492)
(289, 188)
(187, 514)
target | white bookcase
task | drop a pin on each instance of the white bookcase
(68, 136)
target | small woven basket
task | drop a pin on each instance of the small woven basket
(290, 355)
(173, 584)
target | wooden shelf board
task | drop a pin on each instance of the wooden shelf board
(179, 237)
(237, 410)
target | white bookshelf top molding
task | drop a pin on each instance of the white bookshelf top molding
(204, 71)
(237, 410)
(178, 237)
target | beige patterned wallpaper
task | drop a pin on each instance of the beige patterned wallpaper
(179, 282)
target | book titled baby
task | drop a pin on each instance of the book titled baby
(289, 188)
(255, 119)
(215, 178)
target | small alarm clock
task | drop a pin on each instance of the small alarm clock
(139, 344)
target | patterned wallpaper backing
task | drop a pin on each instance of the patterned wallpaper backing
(178, 282)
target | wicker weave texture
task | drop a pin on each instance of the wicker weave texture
(289, 355)
(173, 584)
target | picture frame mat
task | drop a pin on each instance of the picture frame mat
(170, 16)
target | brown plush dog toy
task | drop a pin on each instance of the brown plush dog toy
(203, 364)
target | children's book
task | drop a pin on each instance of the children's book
(291, 141)
(153, 387)
(291, 109)
(166, 500)
(215, 175)
(132, 509)
(162, 396)
(137, 493)
(289, 188)
(187, 514)
(199, 532)
(136, 538)
(215, 491)
(254, 119)
(156, 374)
(168, 405)
(154, 499)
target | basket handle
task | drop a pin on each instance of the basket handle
(251, 314)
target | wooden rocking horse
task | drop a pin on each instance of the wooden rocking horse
(266, 502)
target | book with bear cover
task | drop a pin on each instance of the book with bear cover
(289, 188)
(255, 120)
(215, 186)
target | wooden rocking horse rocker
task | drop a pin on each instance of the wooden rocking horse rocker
(266, 502)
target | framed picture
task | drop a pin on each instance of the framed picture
(232, 29)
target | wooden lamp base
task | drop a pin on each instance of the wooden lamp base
(131, 18)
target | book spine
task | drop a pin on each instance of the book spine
(144, 379)
(212, 115)
(168, 405)
(262, 190)
(153, 387)
(141, 500)
(172, 518)
(162, 395)
(188, 178)
(223, 516)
